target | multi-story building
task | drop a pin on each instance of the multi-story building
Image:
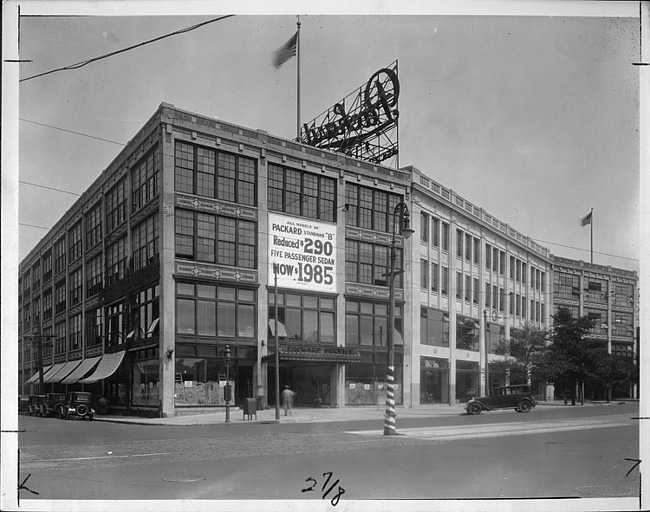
(203, 235)
(607, 295)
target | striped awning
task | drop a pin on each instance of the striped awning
(106, 367)
(34, 377)
(64, 372)
(81, 370)
(52, 372)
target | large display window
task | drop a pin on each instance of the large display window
(434, 380)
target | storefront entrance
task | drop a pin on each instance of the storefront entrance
(310, 382)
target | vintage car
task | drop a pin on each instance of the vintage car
(34, 408)
(517, 397)
(78, 404)
(23, 403)
(53, 404)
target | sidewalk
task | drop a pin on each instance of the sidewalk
(303, 415)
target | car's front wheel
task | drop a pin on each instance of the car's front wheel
(525, 406)
(474, 409)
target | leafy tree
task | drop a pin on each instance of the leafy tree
(572, 356)
(522, 351)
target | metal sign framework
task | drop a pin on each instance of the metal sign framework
(367, 128)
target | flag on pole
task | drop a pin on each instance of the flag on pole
(286, 51)
(586, 219)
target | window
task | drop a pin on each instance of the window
(94, 227)
(59, 297)
(369, 208)
(145, 179)
(434, 327)
(468, 288)
(495, 259)
(94, 327)
(306, 318)
(459, 285)
(301, 193)
(532, 277)
(477, 250)
(144, 240)
(435, 226)
(116, 261)
(37, 311)
(366, 323)
(75, 332)
(207, 310)
(368, 263)
(145, 314)
(444, 281)
(623, 294)
(495, 334)
(424, 274)
(512, 267)
(94, 276)
(566, 286)
(495, 296)
(47, 304)
(502, 299)
(445, 236)
(216, 239)
(76, 287)
(115, 334)
(434, 378)
(47, 266)
(424, 227)
(488, 256)
(468, 247)
(518, 270)
(459, 243)
(622, 323)
(596, 291)
(59, 256)
(502, 262)
(487, 295)
(210, 173)
(518, 305)
(523, 272)
(477, 291)
(116, 206)
(435, 280)
(466, 333)
(74, 241)
(36, 275)
(59, 340)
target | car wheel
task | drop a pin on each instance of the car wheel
(82, 410)
(475, 409)
(525, 406)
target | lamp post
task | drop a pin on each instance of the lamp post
(227, 389)
(401, 212)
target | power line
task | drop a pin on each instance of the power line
(70, 131)
(586, 250)
(33, 226)
(49, 188)
(86, 62)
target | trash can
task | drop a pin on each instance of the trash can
(250, 408)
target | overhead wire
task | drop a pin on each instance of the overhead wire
(117, 52)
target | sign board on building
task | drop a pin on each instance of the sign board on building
(303, 251)
(364, 123)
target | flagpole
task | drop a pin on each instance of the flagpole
(298, 81)
(591, 225)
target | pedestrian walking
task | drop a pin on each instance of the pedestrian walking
(287, 400)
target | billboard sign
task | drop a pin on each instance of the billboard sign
(364, 123)
(304, 251)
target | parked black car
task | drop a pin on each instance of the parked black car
(516, 397)
(53, 404)
(78, 404)
(34, 408)
(23, 403)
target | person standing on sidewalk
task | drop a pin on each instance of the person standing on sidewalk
(287, 397)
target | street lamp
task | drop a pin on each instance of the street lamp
(227, 389)
(401, 212)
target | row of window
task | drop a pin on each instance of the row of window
(567, 286)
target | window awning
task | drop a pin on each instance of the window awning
(52, 372)
(106, 367)
(34, 377)
(282, 332)
(397, 338)
(65, 371)
(81, 370)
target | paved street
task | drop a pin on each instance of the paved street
(550, 452)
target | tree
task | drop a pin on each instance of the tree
(522, 350)
(572, 356)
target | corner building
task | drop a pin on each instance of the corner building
(203, 235)
(169, 257)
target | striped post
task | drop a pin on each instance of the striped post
(389, 419)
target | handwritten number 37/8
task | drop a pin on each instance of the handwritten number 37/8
(335, 499)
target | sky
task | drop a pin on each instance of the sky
(535, 119)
